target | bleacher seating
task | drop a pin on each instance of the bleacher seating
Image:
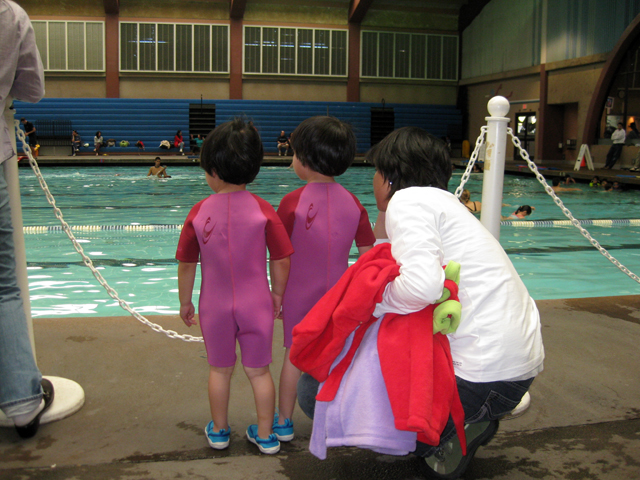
(154, 120)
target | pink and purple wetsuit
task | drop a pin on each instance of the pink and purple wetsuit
(322, 220)
(230, 233)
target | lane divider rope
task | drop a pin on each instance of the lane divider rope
(36, 229)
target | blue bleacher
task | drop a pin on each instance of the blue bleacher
(153, 120)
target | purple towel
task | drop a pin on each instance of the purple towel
(360, 415)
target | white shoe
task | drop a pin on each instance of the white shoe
(520, 409)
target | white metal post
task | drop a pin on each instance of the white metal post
(496, 144)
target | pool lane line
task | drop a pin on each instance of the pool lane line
(153, 228)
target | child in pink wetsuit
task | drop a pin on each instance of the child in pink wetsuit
(229, 233)
(322, 219)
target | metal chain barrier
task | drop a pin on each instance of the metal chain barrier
(576, 223)
(472, 160)
(86, 260)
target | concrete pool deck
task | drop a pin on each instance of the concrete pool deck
(146, 407)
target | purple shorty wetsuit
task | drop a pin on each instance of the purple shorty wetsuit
(322, 219)
(229, 233)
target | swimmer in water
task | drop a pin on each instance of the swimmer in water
(158, 170)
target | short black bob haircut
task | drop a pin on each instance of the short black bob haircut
(233, 151)
(325, 145)
(411, 157)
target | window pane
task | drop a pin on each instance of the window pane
(386, 55)
(95, 46)
(450, 58)
(338, 52)
(418, 55)
(434, 56)
(287, 50)
(40, 29)
(57, 46)
(165, 47)
(75, 40)
(128, 46)
(305, 51)
(369, 54)
(184, 50)
(220, 48)
(252, 49)
(321, 49)
(269, 50)
(402, 55)
(201, 48)
(147, 46)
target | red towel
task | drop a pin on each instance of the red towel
(416, 365)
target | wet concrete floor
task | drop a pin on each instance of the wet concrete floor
(146, 406)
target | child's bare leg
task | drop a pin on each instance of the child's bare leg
(219, 388)
(264, 393)
(287, 390)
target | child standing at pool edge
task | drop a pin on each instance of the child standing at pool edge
(323, 219)
(230, 232)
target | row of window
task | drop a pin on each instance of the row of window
(165, 47)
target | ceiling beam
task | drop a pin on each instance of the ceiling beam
(358, 9)
(237, 8)
(112, 7)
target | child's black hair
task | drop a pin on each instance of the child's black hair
(411, 157)
(325, 145)
(555, 182)
(233, 151)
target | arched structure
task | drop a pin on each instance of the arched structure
(617, 55)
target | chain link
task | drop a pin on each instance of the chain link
(86, 260)
(576, 223)
(472, 160)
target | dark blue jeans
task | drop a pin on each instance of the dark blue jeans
(480, 401)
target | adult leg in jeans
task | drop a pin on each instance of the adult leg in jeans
(20, 391)
(307, 391)
(481, 402)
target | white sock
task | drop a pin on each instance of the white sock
(25, 418)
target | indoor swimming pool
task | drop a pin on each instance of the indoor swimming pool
(132, 229)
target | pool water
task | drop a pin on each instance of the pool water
(140, 265)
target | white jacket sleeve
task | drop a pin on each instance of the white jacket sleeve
(413, 230)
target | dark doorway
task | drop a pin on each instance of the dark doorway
(202, 118)
(526, 131)
(383, 122)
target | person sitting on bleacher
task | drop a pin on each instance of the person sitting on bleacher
(178, 141)
(76, 141)
(98, 141)
(283, 142)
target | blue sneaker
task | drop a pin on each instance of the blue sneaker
(218, 440)
(268, 445)
(284, 433)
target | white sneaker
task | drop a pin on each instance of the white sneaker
(520, 409)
